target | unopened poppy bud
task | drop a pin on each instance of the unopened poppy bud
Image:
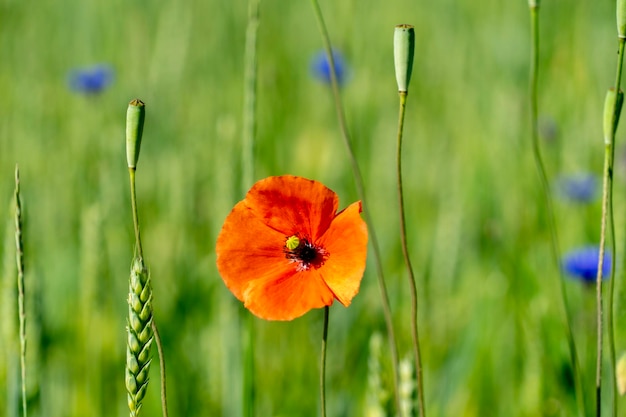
(403, 50)
(533, 4)
(135, 116)
(612, 110)
(621, 19)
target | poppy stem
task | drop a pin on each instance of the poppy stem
(247, 161)
(612, 109)
(159, 345)
(19, 252)
(407, 261)
(606, 212)
(133, 202)
(249, 91)
(534, 125)
(360, 188)
(323, 362)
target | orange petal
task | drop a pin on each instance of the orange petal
(288, 296)
(249, 250)
(293, 205)
(346, 243)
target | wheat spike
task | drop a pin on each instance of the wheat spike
(140, 335)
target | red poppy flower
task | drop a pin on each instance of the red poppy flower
(284, 249)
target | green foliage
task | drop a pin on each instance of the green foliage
(493, 337)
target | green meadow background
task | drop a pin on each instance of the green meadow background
(491, 318)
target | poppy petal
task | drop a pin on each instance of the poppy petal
(346, 243)
(276, 281)
(248, 250)
(293, 205)
(288, 296)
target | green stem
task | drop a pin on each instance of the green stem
(606, 197)
(248, 365)
(20, 285)
(157, 340)
(607, 210)
(358, 179)
(249, 91)
(247, 157)
(407, 260)
(133, 202)
(323, 362)
(534, 69)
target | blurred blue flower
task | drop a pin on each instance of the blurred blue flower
(580, 188)
(582, 263)
(321, 67)
(91, 80)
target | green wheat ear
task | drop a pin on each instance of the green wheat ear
(140, 335)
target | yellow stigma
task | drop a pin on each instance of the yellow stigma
(292, 242)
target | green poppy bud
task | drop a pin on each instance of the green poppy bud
(403, 50)
(135, 116)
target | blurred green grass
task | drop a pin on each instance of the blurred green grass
(492, 327)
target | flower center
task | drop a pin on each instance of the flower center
(303, 253)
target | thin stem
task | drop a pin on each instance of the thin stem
(607, 211)
(407, 260)
(248, 365)
(133, 202)
(247, 157)
(611, 330)
(358, 180)
(323, 362)
(606, 196)
(249, 91)
(19, 245)
(157, 340)
(534, 70)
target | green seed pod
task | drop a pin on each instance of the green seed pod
(144, 355)
(621, 19)
(133, 341)
(135, 302)
(533, 4)
(140, 394)
(146, 312)
(131, 382)
(145, 295)
(403, 50)
(612, 110)
(292, 242)
(132, 406)
(132, 365)
(135, 116)
(145, 335)
(142, 376)
(135, 323)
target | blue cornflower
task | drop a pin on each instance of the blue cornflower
(582, 263)
(321, 67)
(91, 80)
(580, 188)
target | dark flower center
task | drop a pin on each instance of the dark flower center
(303, 253)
